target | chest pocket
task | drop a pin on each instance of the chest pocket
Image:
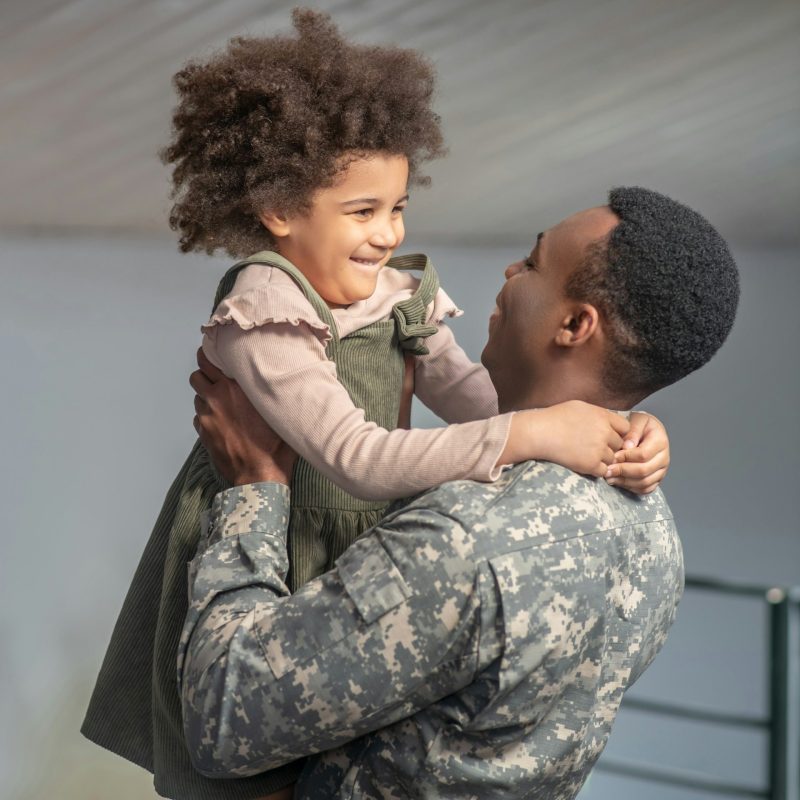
(363, 587)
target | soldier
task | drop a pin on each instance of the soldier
(478, 641)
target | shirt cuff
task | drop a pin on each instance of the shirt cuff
(496, 441)
(253, 508)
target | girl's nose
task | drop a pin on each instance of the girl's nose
(388, 235)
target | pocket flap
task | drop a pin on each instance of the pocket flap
(371, 579)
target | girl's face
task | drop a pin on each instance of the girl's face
(351, 230)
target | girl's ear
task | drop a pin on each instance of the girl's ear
(579, 326)
(276, 222)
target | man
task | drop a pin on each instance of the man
(478, 642)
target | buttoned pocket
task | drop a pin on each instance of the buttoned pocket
(371, 579)
(364, 586)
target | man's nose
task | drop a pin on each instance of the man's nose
(513, 269)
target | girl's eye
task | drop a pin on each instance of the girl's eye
(364, 213)
(398, 209)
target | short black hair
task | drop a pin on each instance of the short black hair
(667, 286)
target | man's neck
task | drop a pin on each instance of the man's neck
(561, 388)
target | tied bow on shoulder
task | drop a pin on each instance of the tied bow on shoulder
(412, 331)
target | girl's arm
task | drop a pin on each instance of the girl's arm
(449, 384)
(283, 370)
(458, 390)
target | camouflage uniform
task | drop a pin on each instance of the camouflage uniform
(475, 644)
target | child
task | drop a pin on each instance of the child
(306, 146)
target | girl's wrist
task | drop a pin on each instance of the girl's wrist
(537, 423)
(525, 437)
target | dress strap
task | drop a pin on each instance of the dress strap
(273, 259)
(411, 313)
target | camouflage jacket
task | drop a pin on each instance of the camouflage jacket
(475, 644)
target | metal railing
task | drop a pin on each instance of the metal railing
(782, 724)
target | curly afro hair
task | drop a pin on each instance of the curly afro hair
(267, 121)
(667, 284)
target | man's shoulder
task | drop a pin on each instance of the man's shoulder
(536, 503)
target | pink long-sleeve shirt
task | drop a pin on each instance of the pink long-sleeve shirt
(266, 335)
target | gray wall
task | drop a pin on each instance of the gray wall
(98, 339)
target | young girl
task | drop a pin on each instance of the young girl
(303, 148)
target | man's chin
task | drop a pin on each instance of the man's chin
(488, 361)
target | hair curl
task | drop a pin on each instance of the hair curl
(266, 122)
(668, 287)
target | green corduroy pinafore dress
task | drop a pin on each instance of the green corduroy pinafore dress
(135, 708)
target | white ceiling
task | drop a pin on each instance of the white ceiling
(546, 105)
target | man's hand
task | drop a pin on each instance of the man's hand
(643, 461)
(242, 446)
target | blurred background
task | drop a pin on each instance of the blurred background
(546, 105)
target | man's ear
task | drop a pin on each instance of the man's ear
(276, 222)
(579, 326)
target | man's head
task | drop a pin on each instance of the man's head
(612, 304)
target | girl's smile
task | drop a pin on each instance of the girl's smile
(351, 230)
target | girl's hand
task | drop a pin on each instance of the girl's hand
(577, 435)
(643, 461)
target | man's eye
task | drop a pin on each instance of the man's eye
(528, 263)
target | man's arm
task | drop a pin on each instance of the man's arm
(267, 677)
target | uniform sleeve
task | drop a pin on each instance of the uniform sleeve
(267, 677)
(283, 369)
(450, 385)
